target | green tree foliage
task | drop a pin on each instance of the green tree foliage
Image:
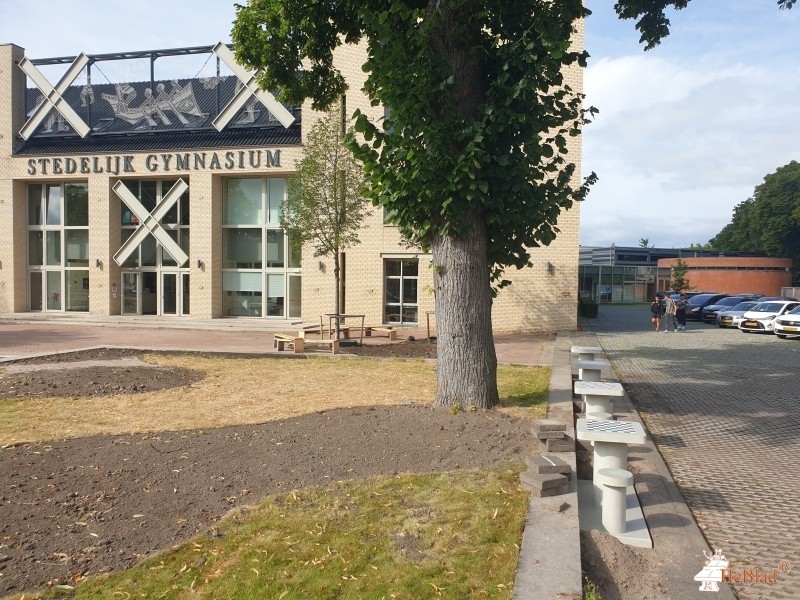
(325, 205)
(644, 242)
(769, 222)
(679, 283)
(472, 159)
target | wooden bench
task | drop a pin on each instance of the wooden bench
(344, 330)
(390, 331)
(282, 341)
(334, 344)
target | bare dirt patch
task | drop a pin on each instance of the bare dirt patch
(86, 505)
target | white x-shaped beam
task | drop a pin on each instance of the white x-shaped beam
(53, 97)
(249, 88)
(149, 222)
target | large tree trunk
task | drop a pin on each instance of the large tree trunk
(466, 366)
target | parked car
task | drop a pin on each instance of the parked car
(732, 317)
(788, 324)
(711, 311)
(761, 318)
(697, 303)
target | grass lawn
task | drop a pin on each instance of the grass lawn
(443, 535)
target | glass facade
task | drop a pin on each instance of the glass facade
(58, 247)
(260, 264)
(621, 284)
(154, 282)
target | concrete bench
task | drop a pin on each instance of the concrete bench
(281, 341)
(389, 331)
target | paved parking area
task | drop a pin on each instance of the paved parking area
(724, 410)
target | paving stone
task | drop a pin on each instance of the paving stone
(546, 463)
(550, 435)
(556, 491)
(722, 408)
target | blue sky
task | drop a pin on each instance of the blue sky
(685, 131)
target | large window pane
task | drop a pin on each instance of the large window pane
(166, 258)
(148, 250)
(148, 191)
(295, 296)
(171, 217)
(277, 190)
(241, 248)
(276, 285)
(242, 203)
(54, 290)
(36, 290)
(76, 204)
(35, 248)
(77, 248)
(53, 239)
(35, 205)
(241, 294)
(54, 205)
(409, 291)
(275, 248)
(77, 290)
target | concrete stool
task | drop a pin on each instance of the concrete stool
(615, 484)
(590, 370)
(600, 416)
(586, 352)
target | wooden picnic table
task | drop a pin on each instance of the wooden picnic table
(341, 317)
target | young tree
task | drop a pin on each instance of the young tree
(679, 283)
(644, 242)
(325, 204)
(472, 161)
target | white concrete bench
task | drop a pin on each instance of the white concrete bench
(614, 483)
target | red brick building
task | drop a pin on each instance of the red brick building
(734, 275)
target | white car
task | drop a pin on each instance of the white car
(788, 325)
(761, 318)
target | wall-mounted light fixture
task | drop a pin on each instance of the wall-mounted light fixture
(551, 268)
(320, 265)
(200, 264)
(97, 263)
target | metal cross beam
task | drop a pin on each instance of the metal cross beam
(53, 97)
(149, 222)
(249, 88)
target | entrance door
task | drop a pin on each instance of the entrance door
(131, 284)
(174, 293)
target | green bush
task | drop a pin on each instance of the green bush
(587, 308)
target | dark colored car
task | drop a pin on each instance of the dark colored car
(711, 311)
(697, 303)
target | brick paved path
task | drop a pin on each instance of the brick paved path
(724, 410)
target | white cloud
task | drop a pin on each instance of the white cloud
(684, 135)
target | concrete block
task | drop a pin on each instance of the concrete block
(546, 463)
(548, 425)
(543, 482)
(566, 444)
(550, 435)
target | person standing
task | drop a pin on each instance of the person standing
(656, 309)
(669, 315)
(680, 311)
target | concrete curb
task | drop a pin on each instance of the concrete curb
(550, 556)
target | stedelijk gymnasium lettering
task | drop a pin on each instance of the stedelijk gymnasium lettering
(153, 163)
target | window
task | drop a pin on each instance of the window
(261, 264)
(58, 247)
(400, 290)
